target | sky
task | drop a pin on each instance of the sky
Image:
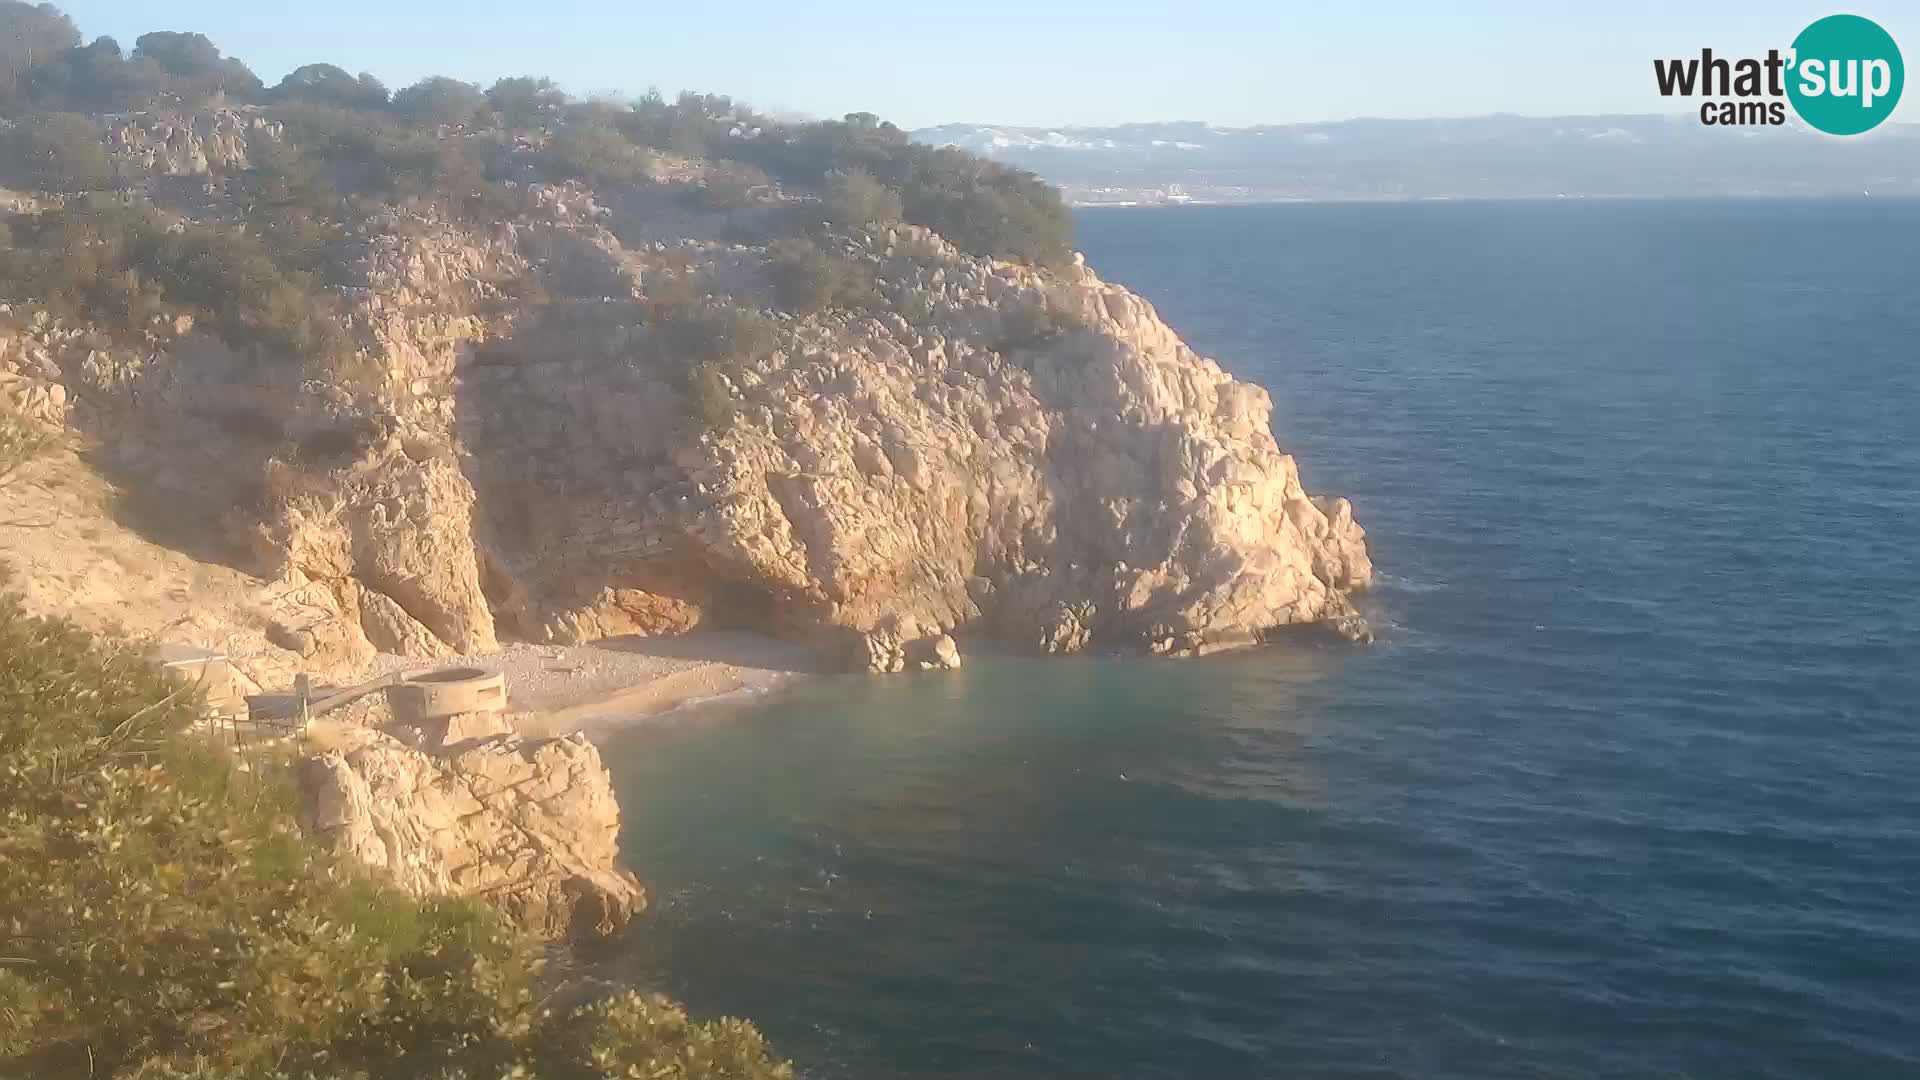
(1026, 62)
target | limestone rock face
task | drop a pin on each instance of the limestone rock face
(1102, 486)
(1089, 483)
(390, 629)
(188, 144)
(403, 528)
(528, 825)
(980, 445)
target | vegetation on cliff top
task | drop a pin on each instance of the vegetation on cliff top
(985, 208)
(265, 266)
(162, 917)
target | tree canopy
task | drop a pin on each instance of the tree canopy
(165, 919)
(194, 63)
(326, 84)
(30, 35)
(440, 100)
(525, 101)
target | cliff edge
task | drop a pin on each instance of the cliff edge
(620, 410)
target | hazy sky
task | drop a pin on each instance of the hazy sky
(1040, 62)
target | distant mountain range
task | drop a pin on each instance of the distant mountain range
(1499, 156)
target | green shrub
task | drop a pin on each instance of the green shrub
(375, 154)
(855, 200)
(650, 1036)
(61, 152)
(120, 267)
(732, 184)
(164, 918)
(589, 146)
(716, 332)
(20, 443)
(913, 304)
(709, 398)
(807, 277)
(1036, 324)
(982, 207)
(292, 208)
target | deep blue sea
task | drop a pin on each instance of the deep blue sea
(1629, 786)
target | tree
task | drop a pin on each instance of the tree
(439, 100)
(94, 78)
(194, 66)
(30, 35)
(325, 84)
(525, 101)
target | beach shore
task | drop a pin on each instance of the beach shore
(556, 689)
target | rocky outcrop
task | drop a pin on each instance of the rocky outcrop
(390, 629)
(1104, 485)
(188, 144)
(1093, 484)
(1030, 455)
(531, 826)
(901, 644)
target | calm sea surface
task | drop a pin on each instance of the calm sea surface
(1629, 787)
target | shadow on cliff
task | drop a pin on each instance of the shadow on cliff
(567, 433)
(189, 462)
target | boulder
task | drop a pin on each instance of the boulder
(531, 825)
(391, 630)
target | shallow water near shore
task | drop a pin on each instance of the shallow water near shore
(1626, 788)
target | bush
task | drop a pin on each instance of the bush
(163, 918)
(120, 267)
(709, 397)
(292, 208)
(62, 152)
(589, 146)
(1033, 325)
(20, 443)
(855, 201)
(732, 184)
(982, 207)
(369, 152)
(807, 278)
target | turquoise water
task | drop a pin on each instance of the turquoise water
(1626, 789)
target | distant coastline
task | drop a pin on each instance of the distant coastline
(1288, 200)
(1486, 157)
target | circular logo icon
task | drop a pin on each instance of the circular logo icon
(1846, 75)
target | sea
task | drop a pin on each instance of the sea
(1628, 787)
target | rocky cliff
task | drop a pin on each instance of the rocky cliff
(984, 446)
